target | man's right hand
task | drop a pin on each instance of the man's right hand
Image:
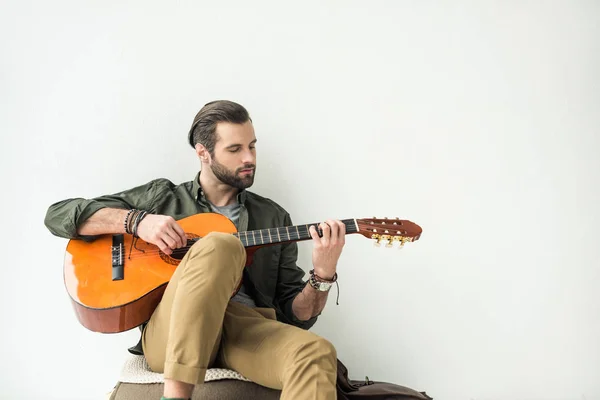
(162, 231)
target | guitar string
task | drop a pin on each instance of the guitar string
(144, 253)
(154, 249)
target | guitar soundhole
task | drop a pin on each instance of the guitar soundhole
(178, 254)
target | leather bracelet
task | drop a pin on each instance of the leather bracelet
(318, 278)
(313, 282)
(316, 282)
(139, 217)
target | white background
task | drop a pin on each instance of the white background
(479, 120)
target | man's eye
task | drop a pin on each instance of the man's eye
(234, 150)
(252, 147)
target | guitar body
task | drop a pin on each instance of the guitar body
(110, 306)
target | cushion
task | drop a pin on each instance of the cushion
(230, 389)
(138, 382)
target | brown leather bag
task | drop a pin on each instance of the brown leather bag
(355, 390)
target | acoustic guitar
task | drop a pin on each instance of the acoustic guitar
(115, 286)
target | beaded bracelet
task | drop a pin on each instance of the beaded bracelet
(126, 224)
(131, 221)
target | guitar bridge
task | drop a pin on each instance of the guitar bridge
(117, 257)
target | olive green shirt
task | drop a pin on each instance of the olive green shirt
(273, 279)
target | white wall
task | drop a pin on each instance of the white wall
(478, 120)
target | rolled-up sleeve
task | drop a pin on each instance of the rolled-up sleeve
(63, 218)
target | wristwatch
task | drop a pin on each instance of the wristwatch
(319, 283)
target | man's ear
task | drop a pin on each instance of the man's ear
(202, 153)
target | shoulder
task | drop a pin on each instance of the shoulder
(164, 191)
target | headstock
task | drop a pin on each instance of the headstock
(390, 230)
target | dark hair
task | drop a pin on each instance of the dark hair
(205, 123)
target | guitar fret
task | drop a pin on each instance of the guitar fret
(278, 235)
(270, 238)
(253, 237)
(298, 233)
(288, 233)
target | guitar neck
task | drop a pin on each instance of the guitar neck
(296, 233)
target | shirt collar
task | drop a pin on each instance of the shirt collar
(199, 193)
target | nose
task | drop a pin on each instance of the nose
(248, 157)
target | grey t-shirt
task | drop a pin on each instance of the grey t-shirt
(233, 213)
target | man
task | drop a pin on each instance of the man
(262, 332)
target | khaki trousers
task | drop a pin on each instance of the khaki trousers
(196, 327)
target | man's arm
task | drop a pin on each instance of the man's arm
(161, 230)
(86, 218)
(66, 217)
(326, 253)
(104, 221)
(309, 303)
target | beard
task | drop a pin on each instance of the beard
(233, 178)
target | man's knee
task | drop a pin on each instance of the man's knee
(317, 349)
(326, 349)
(224, 247)
(222, 241)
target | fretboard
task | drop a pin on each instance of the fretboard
(285, 234)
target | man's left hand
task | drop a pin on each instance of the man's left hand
(328, 248)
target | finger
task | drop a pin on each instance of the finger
(313, 234)
(181, 233)
(334, 230)
(342, 231)
(326, 233)
(175, 236)
(163, 246)
(168, 240)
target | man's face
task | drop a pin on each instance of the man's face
(234, 159)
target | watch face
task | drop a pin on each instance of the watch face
(323, 286)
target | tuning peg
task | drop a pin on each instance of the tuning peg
(385, 237)
(402, 241)
(390, 243)
(377, 239)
